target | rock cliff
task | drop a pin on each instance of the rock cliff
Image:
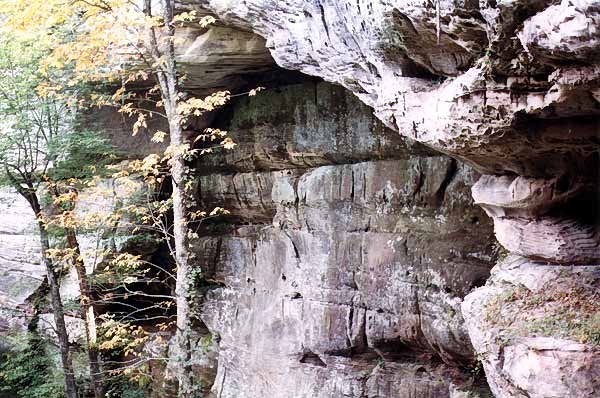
(21, 271)
(432, 204)
(351, 251)
(508, 87)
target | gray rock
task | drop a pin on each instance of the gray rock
(385, 52)
(220, 57)
(306, 125)
(75, 328)
(527, 222)
(519, 103)
(161, 346)
(564, 32)
(352, 244)
(343, 266)
(21, 271)
(535, 326)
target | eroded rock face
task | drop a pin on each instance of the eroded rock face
(21, 271)
(510, 87)
(349, 276)
(547, 289)
(564, 32)
(535, 219)
(214, 58)
(161, 344)
(454, 98)
(537, 324)
(353, 248)
(220, 57)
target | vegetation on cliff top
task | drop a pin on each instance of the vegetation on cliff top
(561, 309)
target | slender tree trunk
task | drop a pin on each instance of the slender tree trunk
(182, 284)
(180, 229)
(85, 299)
(57, 306)
(167, 79)
(89, 316)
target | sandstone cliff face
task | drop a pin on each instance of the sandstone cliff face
(21, 271)
(351, 251)
(509, 87)
(358, 258)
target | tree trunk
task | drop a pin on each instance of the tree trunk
(85, 299)
(57, 306)
(182, 284)
(88, 311)
(180, 229)
(167, 79)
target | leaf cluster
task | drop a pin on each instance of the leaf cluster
(27, 371)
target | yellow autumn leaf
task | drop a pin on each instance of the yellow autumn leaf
(228, 143)
(207, 20)
(159, 136)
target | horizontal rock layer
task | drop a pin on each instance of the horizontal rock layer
(445, 89)
(510, 87)
(348, 275)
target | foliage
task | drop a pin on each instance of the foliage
(28, 122)
(131, 45)
(115, 41)
(564, 308)
(38, 140)
(79, 155)
(38, 145)
(27, 370)
(122, 337)
(124, 387)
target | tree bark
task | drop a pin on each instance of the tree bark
(167, 79)
(85, 299)
(182, 284)
(89, 316)
(56, 302)
(180, 230)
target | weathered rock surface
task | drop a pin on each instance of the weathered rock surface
(306, 127)
(21, 271)
(204, 351)
(478, 113)
(220, 57)
(75, 328)
(537, 326)
(510, 87)
(532, 217)
(214, 58)
(353, 248)
(536, 321)
(564, 32)
(350, 274)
